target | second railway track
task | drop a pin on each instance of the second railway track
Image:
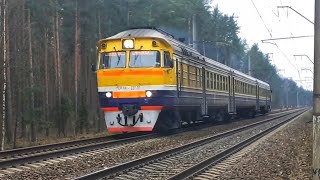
(172, 162)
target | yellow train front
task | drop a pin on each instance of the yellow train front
(136, 80)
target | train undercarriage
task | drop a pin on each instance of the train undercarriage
(164, 119)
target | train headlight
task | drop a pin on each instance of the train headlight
(128, 44)
(108, 94)
(148, 93)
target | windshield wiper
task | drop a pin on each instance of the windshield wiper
(136, 57)
(117, 55)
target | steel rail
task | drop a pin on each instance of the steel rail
(71, 150)
(23, 156)
(211, 161)
(109, 171)
(55, 146)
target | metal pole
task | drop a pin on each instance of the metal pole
(287, 105)
(194, 32)
(249, 65)
(297, 99)
(316, 94)
(217, 52)
(204, 48)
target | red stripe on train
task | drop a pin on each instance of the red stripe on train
(128, 129)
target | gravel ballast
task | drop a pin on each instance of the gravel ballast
(287, 154)
(80, 166)
(171, 165)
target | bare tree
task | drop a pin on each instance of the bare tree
(31, 78)
(9, 119)
(59, 77)
(3, 12)
(46, 110)
(57, 66)
(76, 59)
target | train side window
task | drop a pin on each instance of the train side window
(211, 80)
(185, 74)
(227, 85)
(245, 88)
(242, 88)
(238, 87)
(188, 73)
(167, 61)
(197, 79)
(214, 81)
(207, 79)
(200, 77)
(218, 82)
(222, 83)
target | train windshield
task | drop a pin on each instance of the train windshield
(113, 60)
(144, 59)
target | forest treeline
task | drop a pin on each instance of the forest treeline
(47, 47)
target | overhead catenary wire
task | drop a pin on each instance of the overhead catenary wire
(265, 25)
(270, 34)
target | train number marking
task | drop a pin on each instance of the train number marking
(132, 88)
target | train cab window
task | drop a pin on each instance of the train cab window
(112, 60)
(144, 59)
(167, 61)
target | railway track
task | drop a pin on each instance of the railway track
(53, 153)
(7, 154)
(68, 144)
(178, 163)
(17, 157)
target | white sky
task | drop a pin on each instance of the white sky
(281, 23)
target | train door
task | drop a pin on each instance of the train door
(179, 73)
(257, 97)
(231, 105)
(204, 105)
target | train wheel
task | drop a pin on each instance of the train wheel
(251, 114)
(167, 121)
(219, 117)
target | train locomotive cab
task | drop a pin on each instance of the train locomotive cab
(136, 80)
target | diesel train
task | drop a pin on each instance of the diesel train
(148, 80)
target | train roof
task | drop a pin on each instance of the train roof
(177, 45)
